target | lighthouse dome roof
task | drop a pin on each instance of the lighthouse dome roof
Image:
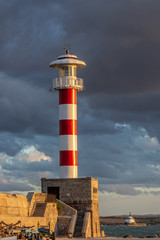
(67, 59)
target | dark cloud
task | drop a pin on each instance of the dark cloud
(26, 108)
(8, 145)
(40, 166)
(130, 156)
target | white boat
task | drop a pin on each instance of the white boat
(130, 220)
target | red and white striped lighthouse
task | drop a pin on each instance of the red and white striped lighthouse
(68, 84)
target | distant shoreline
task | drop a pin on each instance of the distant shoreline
(120, 220)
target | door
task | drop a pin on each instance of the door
(53, 191)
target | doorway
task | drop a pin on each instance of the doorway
(53, 191)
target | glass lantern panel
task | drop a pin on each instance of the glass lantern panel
(62, 72)
(68, 71)
(74, 71)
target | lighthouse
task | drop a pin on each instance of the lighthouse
(68, 84)
(79, 193)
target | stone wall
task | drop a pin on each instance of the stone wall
(51, 215)
(34, 198)
(79, 193)
(66, 219)
(78, 189)
(95, 209)
(25, 221)
(86, 230)
(95, 220)
(65, 210)
(14, 208)
(12, 204)
(63, 223)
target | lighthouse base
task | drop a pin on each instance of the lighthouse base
(82, 195)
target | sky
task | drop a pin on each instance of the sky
(118, 113)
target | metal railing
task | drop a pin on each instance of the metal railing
(67, 82)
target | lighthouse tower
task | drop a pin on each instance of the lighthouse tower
(79, 193)
(68, 84)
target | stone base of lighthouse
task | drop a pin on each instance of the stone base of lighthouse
(81, 194)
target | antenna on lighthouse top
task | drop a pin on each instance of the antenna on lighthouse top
(67, 47)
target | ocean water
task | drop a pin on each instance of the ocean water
(123, 230)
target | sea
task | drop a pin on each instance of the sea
(138, 232)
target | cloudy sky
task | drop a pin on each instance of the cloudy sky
(118, 113)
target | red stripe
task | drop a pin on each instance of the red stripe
(68, 96)
(68, 127)
(68, 158)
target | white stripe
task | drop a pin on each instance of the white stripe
(68, 142)
(68, 171)
(68, 111)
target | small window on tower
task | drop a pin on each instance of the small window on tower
(95, 190)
